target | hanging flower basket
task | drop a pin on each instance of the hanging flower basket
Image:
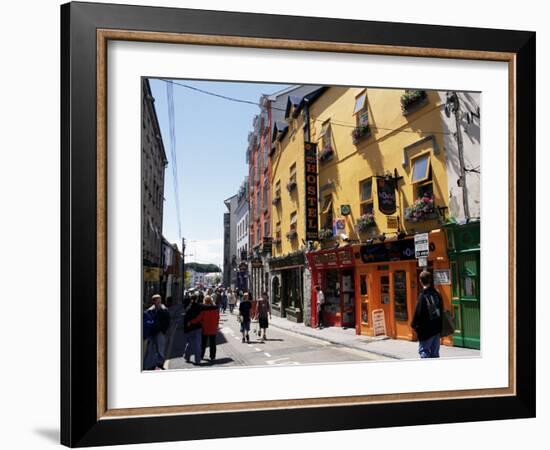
(290, 186)
(325, 154)
(412, 99)
(292, 234)
(422, 209)
(359, 133)
(365, 222)
(325, 233)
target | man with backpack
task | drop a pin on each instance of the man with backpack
(427, 318)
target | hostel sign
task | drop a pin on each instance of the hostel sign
(312, 224)
(386, 195)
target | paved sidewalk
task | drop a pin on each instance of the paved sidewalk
(381, 345)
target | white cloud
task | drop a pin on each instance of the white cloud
(205, 251)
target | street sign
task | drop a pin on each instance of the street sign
(378, 322)
(421, 245)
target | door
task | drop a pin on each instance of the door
(384, 288)
(400, 297)
(469, 298)
(364, 305)
(348, 299)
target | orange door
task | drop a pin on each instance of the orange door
(401, 292)
(385, 296)
(364, 305)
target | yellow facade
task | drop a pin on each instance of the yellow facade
(396, 144)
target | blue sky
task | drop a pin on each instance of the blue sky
(211, 141)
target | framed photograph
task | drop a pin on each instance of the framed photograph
(291, 224)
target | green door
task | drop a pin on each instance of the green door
(468, 305)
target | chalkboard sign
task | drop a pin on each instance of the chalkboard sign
(378, 322)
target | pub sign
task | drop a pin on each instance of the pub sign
(311, 220)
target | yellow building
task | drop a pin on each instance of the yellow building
(381, 180)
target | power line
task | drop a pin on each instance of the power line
(333, 122)
(171, 119)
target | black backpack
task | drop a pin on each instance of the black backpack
(433, 305)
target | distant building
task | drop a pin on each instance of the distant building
(230, 242)
(242, 230)
(153, 164)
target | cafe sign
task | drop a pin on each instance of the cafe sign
(312, 224)
(386, 195)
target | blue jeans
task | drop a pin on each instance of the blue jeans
(429, 348)
(193, 345)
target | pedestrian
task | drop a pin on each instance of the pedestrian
(427, 318)
(320, 306)
(224, 300)
(231, 300)
(192, 332)
(156, 320)
(244, 316)
(209, 319)
(217, 298)
(263, 310)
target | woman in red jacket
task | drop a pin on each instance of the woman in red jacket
(209, 318)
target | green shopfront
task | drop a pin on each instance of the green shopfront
(464, 258)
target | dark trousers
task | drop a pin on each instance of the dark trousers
(320, 321)
(209, 340)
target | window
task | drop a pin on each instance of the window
(421, 176)
(327, 213)
(278, 230)
(258, 235)
(469, 277)
(360, 110)
(278, 189)
(366, 202)
(258, 204)
(292, 176)
(400, 295)
(266, 228)
(265, 193)
(326, 136)
(293, 220)
(266, 152)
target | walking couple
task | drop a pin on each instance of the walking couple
(201, 328)
(263, 311)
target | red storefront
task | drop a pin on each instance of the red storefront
(334, 271)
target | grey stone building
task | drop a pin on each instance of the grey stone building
(243, 239)
(153, 164)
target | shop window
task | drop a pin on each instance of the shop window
(469, 278)
(365, 313)
(363, 285)
(421, 176)
(385, 289)
(400, 295)
(366, 202)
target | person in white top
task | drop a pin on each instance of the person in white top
(232, 300)
(320, 304)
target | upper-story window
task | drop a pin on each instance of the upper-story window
(292, 173)
(293, 220)
(326, 136)
(265, 194)
(360, 110)
(365, 189)
(327, 213)
(421, 175)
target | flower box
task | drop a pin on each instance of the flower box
(411, 100)
(290, 186)
(422, 209)
(359, 133)
(325, 233)
(292, 234)
(365, 222)
(325, 154)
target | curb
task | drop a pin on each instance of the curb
(332, 341)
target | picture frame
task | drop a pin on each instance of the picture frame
(86, 28)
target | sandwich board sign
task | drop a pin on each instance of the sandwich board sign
(378, 322)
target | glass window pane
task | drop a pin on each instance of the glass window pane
(366, 190)
(366, 208)
(400, 294)
(425, 190)
(420, 168)
(359, 103)
(363, 285)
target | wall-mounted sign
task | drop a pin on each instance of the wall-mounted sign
(311, 209)
(338, 226)
(326, 259)
(391, 222)
(421, 245)
(386, 195)
(345, 210)
(378, 322)
(388, 251)
(442, 276)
